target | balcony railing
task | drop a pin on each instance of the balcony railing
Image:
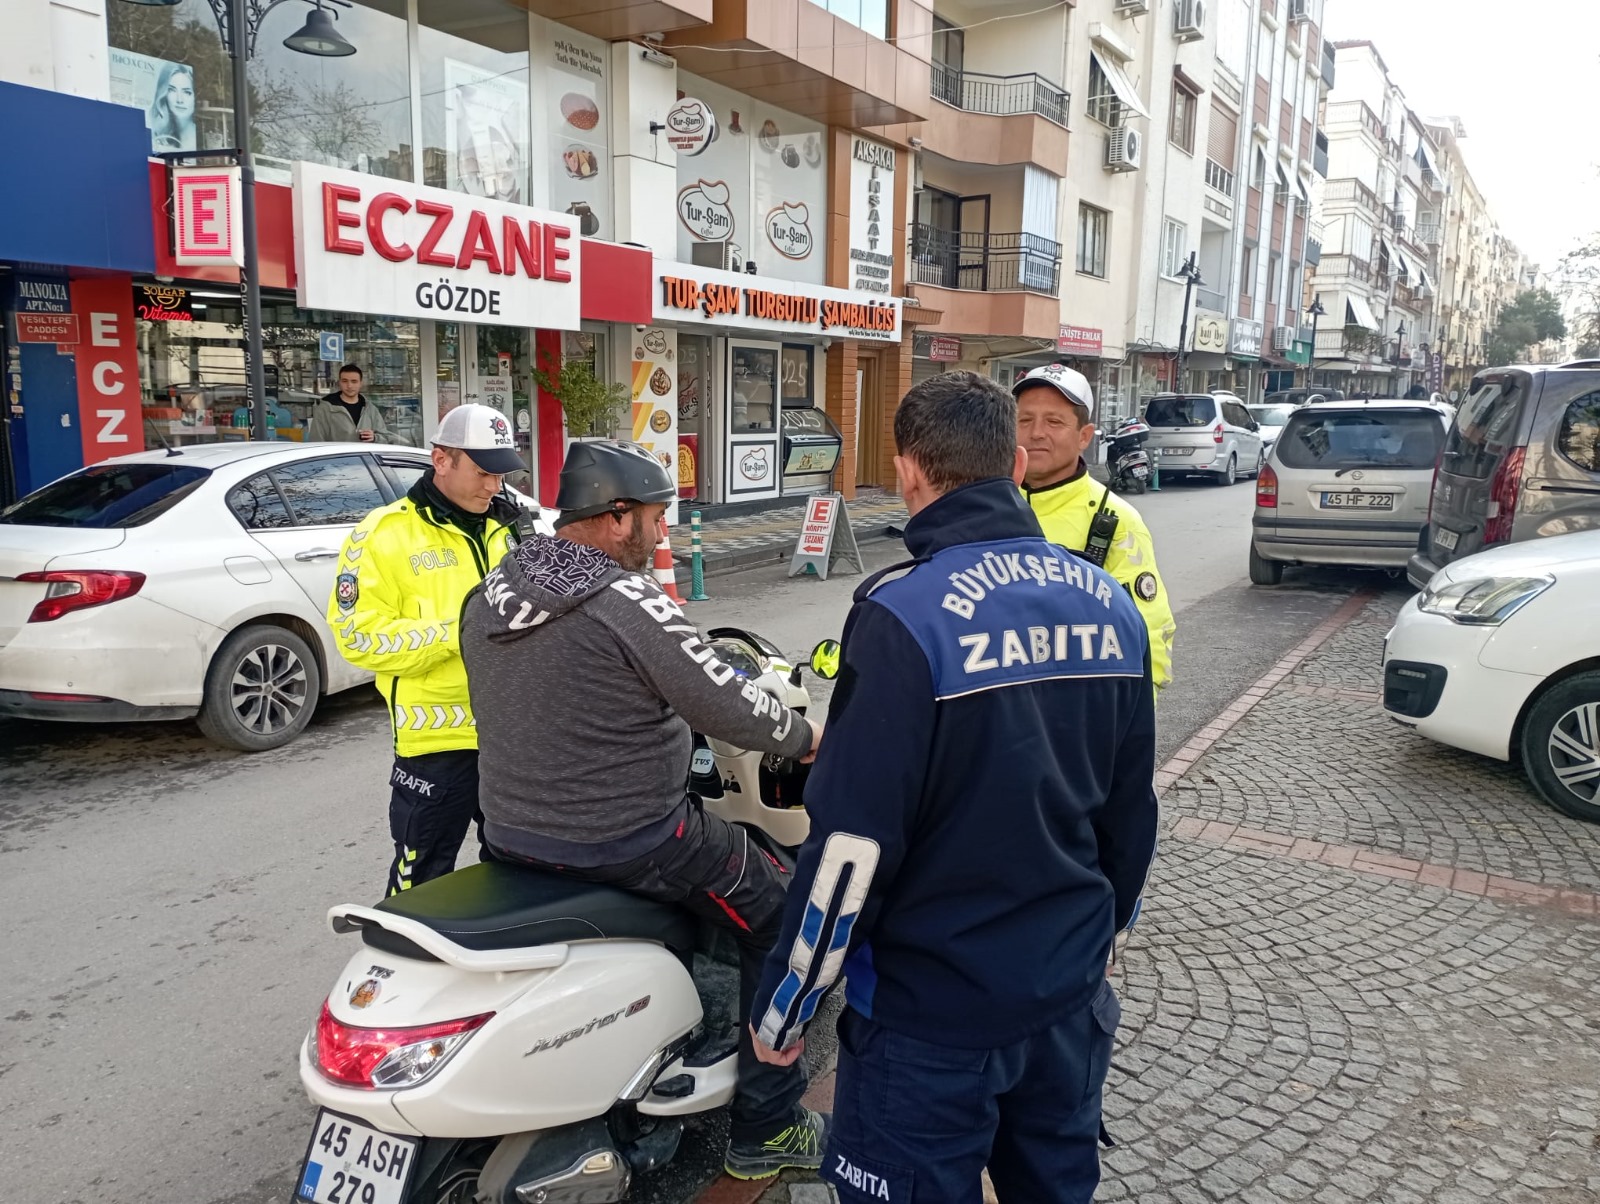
(1327, 65)
(1352, 190)
(1210, 299)
(1219, 177)
(971, 259)
(1430, 233)
(1319, 155)
(1000, 95)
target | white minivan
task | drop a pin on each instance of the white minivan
(1204, 433)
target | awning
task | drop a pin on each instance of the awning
(1300, 187)
(1283, 180)
(1357, 313)
(1427, 281)
(1121, 85)
(1424, 159)
(1396, 260)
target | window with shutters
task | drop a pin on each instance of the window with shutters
(1222, 149)
(1181, 131)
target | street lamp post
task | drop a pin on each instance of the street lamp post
(238, 22)
(1315, 313)
(1190, 272)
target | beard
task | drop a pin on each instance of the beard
(639, 547)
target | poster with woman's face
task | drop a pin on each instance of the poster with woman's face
(164, 90)
(486, 132)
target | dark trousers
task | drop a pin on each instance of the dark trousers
(433, 799)
(917, 1123)
(715, 870)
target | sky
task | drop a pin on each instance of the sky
(1521, 77)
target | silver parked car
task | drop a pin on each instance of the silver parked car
(1204, 433)
(1271, 417)
(1347, 483)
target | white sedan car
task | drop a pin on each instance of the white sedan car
(165, 585)
(1500, 655)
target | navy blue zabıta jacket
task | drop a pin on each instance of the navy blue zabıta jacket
(983, 809)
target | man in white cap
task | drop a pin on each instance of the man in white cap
(403, 574)
(1055, 424)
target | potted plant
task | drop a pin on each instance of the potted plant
(592, 406)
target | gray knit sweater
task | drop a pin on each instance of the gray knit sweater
(585, 680)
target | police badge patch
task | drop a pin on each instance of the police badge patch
(347, 591)
(1146, 587)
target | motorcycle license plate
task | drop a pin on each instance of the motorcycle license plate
(1358, 501)
(1446, 539)
(1140, 471)
(352, 1163)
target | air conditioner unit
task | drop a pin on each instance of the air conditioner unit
(1189, 20)
(1299, 10)
(714, 255)
(1133, 8)
(1283, 338)
(1124, 149)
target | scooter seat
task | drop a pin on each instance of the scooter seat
(493, 905)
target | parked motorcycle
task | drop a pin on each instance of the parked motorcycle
(508, 1036)
(1127, 463)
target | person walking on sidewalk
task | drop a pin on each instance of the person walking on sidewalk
(1055, 419)
(346, 416)
(983, 815)
(572, 639)
(403, 574)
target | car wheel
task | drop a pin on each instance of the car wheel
(1561, 746)
(1230, 474)
(1264, 571)
(261, 690)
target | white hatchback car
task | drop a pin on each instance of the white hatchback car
(165, 585)
(1500, 655)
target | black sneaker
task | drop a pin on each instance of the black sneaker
(797, 1147)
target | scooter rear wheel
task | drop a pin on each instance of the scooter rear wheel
(456, 1179)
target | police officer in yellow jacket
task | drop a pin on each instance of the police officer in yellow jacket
(403, 574)
(1055, 423)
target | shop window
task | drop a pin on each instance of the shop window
(352, 111)
(1580, 432)
(258, 505)
(799, 385)
(754, 370)
(334, 491)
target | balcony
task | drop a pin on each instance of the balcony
(997, 285)
(999, 95)
(1219, 198)
(1430, 234)
(1327, 65)
(986, 263)
(1319, 156)
(1352, 190)
(1314, 244)
(1212, 300)
(801, 57)
(994, 120)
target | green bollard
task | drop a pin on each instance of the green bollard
(1155, 470)
(697, 569)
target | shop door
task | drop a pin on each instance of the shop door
(753, 470)
(869, 422)
(696, 400)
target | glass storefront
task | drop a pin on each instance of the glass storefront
(192, 376)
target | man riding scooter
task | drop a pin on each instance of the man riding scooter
(585, 678)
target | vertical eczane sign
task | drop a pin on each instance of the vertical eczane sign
(208, 226)
(107, 368)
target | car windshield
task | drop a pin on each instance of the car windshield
(1361, 439)
(1271, 415)
(107, 495)
(1484, 428)
(1181, 411)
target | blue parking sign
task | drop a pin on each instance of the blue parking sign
(330, 346)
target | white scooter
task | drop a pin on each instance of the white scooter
(507, 1036)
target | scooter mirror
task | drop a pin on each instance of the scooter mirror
(825, 659)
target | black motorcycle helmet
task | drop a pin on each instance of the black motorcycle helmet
(604, 475)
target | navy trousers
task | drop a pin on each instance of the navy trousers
(433, 800)
(917, 1123)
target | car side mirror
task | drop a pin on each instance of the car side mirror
(825, 659)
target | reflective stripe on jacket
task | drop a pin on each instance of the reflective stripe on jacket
(1065, 512)
(396, 609)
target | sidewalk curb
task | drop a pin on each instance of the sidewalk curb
(1231, 715)
(721, 564)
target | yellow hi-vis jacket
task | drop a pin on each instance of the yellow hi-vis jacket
(396, 607)
(1065, 512)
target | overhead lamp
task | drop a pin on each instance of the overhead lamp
(319, 37)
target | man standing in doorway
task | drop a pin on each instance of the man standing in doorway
(1055, 423)
(403, 575)
(346, 416)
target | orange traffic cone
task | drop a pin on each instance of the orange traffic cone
(665, 571)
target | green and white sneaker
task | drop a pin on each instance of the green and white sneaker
(798, 1147)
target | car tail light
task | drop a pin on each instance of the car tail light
(1503, 491)
(1267, 488)
(1216, 434)
(388, 1057)
(71, 589)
